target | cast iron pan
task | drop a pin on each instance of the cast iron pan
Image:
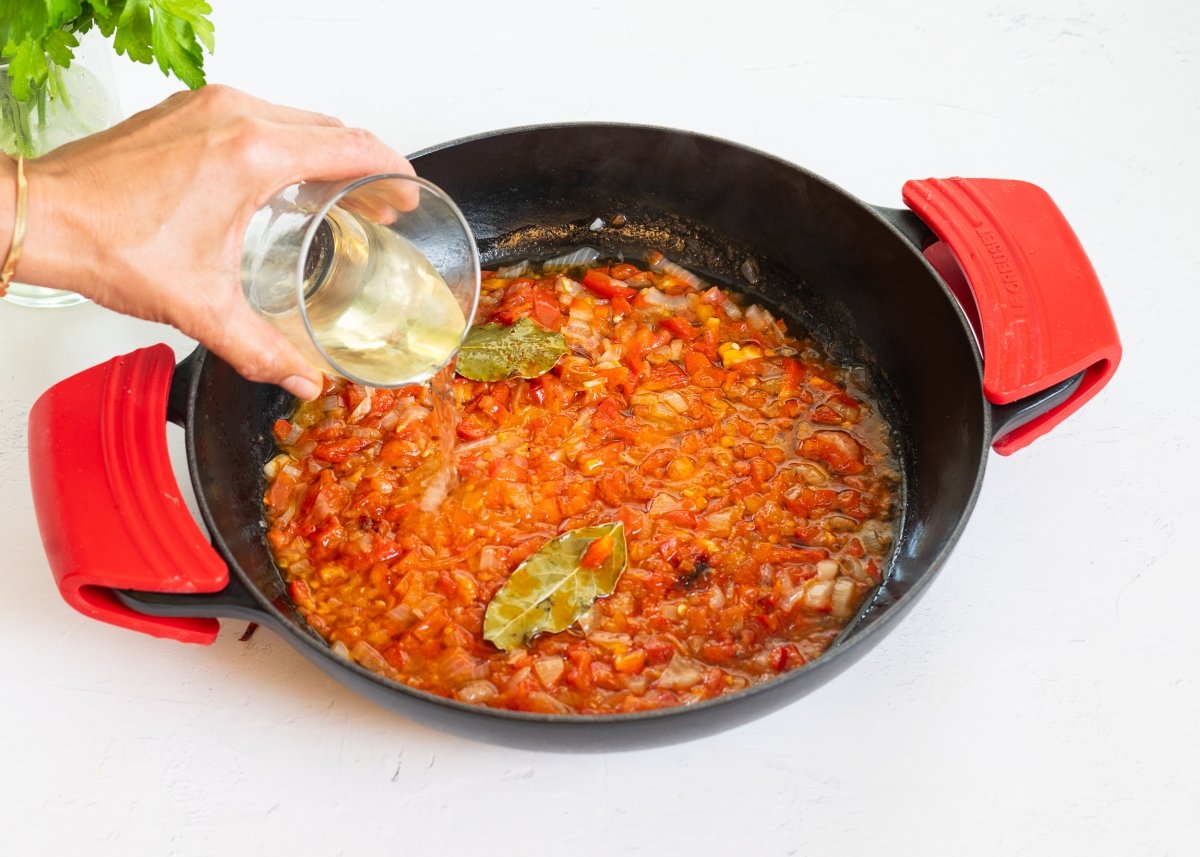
(861, 279)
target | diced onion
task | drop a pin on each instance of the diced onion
(580, 258)
(435, 493)
(856, 570)
(792, 599)
(410, 415)
(368, 656)
(757, 317)
(610, 354)
(483, 442)
(331, 403)
(402, 614)
(363, 408)
(656, 298)
(676, 400)
(293, 435)
(272, 467)
(492, 559)
(597, 225)
(477, 691)
(681, 673)
(663, 503)
(569, 286)
(661, 411)
(817, 594)
(549, 670)
(321, 508)
(580, 333)
(513, 271)
(389, 420)
(841, 602)
(666, 266)
(827, 569)
(875, 536)
(459, 667)
(721, 523)
(771, 371)
(288, 514)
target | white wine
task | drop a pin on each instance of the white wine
(445, 418)
(379, 309)
(382, 311)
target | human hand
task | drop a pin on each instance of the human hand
(147, 218)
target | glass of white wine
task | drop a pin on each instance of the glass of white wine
(375, 280)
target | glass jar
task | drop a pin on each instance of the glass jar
(78, 101)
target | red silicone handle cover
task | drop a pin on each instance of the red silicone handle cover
(1042, 315)
(108, 506)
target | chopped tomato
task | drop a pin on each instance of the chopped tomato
(746, 483)
(598, 551)
(681, 327)
(606, 286)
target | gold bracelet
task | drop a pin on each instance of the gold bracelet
(18, 236)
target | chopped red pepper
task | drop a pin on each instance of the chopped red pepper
(745, 481)
(606, 286)
(598, 551)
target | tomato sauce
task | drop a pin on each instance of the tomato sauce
(754, 479)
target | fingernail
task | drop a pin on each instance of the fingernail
(301, 387)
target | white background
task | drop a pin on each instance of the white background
(1041, 699)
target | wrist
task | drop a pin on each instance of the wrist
(52, 255)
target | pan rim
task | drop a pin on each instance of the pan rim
(854, 638)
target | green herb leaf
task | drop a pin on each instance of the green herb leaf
(176, 49)
(134, 31)
(552, 589)
(493, 352)
(37, 36)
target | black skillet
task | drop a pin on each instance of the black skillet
(862, 279)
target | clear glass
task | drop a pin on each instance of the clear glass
(78, 101)
(376, 281)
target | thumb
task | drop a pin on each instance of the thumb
(259, 352)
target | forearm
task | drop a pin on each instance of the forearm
(148, 217)
(55, 253)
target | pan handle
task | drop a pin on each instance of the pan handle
(1037, 306)
(108, 507)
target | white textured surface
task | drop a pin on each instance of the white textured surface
(1043, 697)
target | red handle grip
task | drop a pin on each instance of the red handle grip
(108, 506)
(1042, 315)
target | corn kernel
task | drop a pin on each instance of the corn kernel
(735, 354)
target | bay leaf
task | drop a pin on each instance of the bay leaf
(493, 352)
(553, 588)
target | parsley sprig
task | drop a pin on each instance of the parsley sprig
(38, 38)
